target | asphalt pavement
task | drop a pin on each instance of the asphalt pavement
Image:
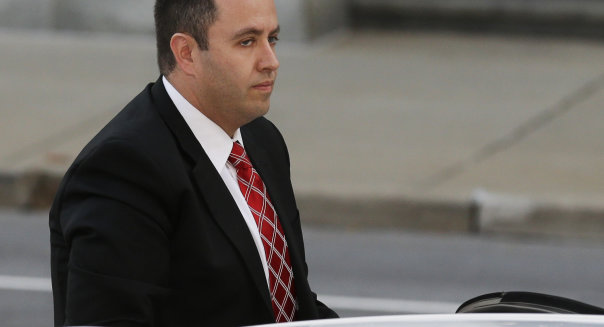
(356, 273)
(450, 132)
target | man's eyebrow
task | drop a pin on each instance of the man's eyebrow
(254, 31)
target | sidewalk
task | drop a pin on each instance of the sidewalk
(438, 132)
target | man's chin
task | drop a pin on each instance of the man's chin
(263, 110)
(257, 112)
(263, 106)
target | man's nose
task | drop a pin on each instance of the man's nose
(268, 58)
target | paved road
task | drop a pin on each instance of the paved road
(24, 251)
(450, 269)
(356, 272)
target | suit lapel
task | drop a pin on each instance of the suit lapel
(225, 212)
(214, 192)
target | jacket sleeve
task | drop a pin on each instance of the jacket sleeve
(114, 223)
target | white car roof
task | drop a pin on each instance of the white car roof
(458, 320)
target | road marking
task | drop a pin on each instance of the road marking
(387, 305)
(334, 301)
(25, 283)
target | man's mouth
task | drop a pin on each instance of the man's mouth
(266, 86)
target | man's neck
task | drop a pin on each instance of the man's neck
(183, 85)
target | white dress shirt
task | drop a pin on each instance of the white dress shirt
(218, 144)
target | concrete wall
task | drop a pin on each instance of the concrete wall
(304, 20)
(301, 20)
(325, 16)
(560, 17)
(293, 20)
(535, 7)
(131, 16)
(27, 13)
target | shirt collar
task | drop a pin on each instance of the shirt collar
(214, 140)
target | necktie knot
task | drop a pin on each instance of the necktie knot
(238, 158)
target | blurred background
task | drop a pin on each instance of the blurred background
(441, 149)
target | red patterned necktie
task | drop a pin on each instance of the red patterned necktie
(281, 277)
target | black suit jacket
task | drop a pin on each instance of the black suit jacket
(145, 233)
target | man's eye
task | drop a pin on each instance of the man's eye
(273, 39)
(247, 43)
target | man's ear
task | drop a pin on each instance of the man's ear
(183, 46)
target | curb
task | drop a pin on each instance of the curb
(482, 215)
(478, 216)
(29, 190)
(408, 214)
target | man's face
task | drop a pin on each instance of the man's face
(236, 74)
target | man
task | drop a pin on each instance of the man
(180, 212)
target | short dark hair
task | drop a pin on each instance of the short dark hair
(192, 17)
